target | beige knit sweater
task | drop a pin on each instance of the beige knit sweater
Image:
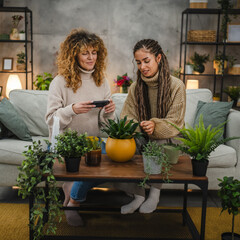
(61, 99)
(163, 130)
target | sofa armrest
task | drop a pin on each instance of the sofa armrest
(233, 130)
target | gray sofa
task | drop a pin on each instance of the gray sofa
(31, 105)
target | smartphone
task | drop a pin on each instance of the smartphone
(101, 103)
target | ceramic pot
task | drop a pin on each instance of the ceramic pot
(123, 89)
(199, 68)
(72, 164)
(93, 158)
(22, 36)
(120, 150)
(14, 35)
(150, 165)
(217, 65)
(188, 69)
(199, 167)
(172, 153)
(228, 236)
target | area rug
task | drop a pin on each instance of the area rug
(14, 224)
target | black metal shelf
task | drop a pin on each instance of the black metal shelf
(184, 44)
(27, 42)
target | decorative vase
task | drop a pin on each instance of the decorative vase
(22, 36)
(124, 89)
(72, 164)
(120, 150)
(150, 165)
(199, 167)
(172, 154)
(93, 158)
(217, 65)
(199, 68)
(14, 35)
(188, 69)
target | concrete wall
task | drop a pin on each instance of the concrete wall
(120, 23)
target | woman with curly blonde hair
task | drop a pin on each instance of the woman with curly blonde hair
(80, 81)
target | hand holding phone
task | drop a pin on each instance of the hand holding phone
(101, 103)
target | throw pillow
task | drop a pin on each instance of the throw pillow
(214, 113)
(10, 118)
(4, 132)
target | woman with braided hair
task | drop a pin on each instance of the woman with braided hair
(155, 99)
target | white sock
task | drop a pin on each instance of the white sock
(151, 203)
(67, 186)
(133, 206)
(72, 216)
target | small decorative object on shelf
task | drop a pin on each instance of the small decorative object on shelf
(234, 70)
(4, 36)
(124, 82)
(21, 62)
(201, 36)
(218, 62)
(188, 68)
(21, 35)
(198, 60)
(93, 156)
(216, 97)
(14, 35)
(234, 93)
(198, 3)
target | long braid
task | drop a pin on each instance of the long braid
(141, 90)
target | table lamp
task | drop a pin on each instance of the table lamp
(192, 84)
(13, 82)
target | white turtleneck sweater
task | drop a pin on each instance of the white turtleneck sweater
(61, 99)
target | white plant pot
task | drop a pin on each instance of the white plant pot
(21, 36)
(188, 69)
(150, 165)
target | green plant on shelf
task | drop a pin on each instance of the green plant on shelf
(42, 82)
(21, 58)
(198, 60)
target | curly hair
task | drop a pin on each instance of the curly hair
(164, 83)
(67, 59)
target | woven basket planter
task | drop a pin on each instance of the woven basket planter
(201, 36)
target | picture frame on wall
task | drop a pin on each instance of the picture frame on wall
(233, 32)
(7, 64)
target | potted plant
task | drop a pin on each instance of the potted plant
(188, 68)
(43, 81)
(93, 156)
(21, 61)
(199, 142)
(198, 60)
(72, 146)
(14, 35)
(234, 93)
(38, 162)
(22, 35)
(155, 161)
(123, 82)
(229, 193)
(120, 145)
(222, 61)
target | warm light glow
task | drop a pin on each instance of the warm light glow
(13, 83)
(192, 84)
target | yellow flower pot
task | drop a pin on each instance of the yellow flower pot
(120, 150)
(218, 66)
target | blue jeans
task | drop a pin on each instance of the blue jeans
(79, 189)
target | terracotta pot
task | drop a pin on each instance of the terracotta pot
(93, 158)
(120, 150)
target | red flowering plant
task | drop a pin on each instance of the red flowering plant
(123, 81)
(16, 19)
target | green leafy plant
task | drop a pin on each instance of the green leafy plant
(71, 144)
(229, 193)
(233, 92)
(43, 81)
(121, 129)
(220, 57)
(38, 163)
(152, 150)
(198, 60)
(201, 141)
(22, 31)
(21, 58)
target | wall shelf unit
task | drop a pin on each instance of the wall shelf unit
(185, 45)
(28, 43)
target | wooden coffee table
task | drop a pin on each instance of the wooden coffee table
(132, 171)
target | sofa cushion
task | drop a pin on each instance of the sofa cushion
(192, 98)
(11, 150)
(11, 119)
(32, 106)
(223, 157)
(214, 113)
(119, 99)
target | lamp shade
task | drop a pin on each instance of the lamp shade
(192, 84)
(13, 82)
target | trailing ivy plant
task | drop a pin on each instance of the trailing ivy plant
(229, 193)
(39, 162)
(121, 129)
(152, 149)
